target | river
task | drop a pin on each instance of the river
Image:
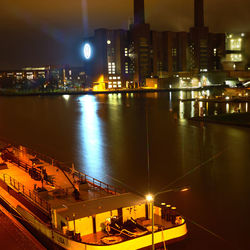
(105, 136)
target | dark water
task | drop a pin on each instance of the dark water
(105, 136)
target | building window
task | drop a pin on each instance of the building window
(174, 52)
(111, 68)
(126, 51)
(236, 57)
(215, 52)
(235, 44)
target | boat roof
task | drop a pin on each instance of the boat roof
(83, 209)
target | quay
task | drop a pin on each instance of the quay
(13, 234)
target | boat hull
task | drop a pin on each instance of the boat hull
(170, 235)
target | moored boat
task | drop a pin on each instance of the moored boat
(76, 211)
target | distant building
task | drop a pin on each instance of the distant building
(43, 77)
(237, 52)
(126, 58)
(206, 49)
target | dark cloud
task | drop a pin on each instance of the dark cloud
(51, 31)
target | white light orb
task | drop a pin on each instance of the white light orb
(87, 51)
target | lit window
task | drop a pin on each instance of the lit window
(235, 44)
(215, 51)
(236, 57)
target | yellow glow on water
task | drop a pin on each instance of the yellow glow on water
(181, 111)
(181, 95)
(66, 97)
(192, 109)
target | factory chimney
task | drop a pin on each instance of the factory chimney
(199, 13)
(139, 12)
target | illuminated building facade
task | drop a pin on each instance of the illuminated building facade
(127, 58)
(237, 52)
(33, 77)
(206, 49)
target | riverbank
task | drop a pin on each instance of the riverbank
(91, 92)
(235, 119)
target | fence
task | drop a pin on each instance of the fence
(96, 183)
(82, 177)
(11, 182)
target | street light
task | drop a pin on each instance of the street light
(151, 198)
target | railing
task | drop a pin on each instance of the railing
(82, 177)
(11, 182)
(96, 183)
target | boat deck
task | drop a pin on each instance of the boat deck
(96, 238)
(60, 192)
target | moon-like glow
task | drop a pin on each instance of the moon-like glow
(87, 51)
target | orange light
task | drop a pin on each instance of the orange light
(149, 197)
(184, 189)
(100, 84)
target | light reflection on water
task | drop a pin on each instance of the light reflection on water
(227, 108)
(91, 136)
(106, 135)
(192, 108)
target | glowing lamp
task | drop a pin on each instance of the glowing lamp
(87, 51)
(149, 197)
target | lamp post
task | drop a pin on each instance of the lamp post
(151, 198)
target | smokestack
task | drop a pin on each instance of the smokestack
(139, 13)
(199, 13)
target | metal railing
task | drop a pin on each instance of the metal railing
(31, 195)
(82, 177)
(97, 183)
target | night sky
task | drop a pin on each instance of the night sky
(38, 32)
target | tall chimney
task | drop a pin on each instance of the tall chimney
(139, 13)
(199, 13)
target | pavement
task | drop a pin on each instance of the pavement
(13, 235)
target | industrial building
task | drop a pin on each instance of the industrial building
(127, 58)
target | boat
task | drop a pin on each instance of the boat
(75, 211)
